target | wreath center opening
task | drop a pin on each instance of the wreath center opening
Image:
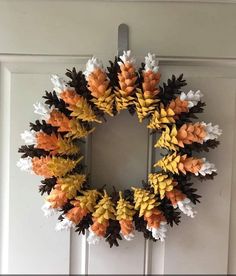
(119, 152)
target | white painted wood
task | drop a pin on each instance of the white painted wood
(128, 258)
(43, 37)
(4, 150)
(83, 27)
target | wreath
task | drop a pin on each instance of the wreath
(72, 111)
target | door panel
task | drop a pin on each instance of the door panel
(200, 244)
(128, 258)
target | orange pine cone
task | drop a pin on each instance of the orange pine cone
(47, 142)
(155, 218)
(174, 196)
(150, 82)
(70, 97)
(57, 198)
(77, 213)
(40, 166)
(60, 120)
(99, 228)
(189, 164)
(98, 83)
(127, 78)
(179, 106)
(190, 133)
(126, 226)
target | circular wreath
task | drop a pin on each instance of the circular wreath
(70, 113)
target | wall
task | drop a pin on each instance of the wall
(42, 37)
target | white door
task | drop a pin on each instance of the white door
(39, 38)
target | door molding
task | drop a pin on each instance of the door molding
(166, 60)
(79, 250)
(171, 1)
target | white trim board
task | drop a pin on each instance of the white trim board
(167, 1)
(166, 60)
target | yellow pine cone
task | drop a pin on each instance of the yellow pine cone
(187, 134)
(180, 163)
(161, 183)
(145, 104)
(168, 139)
(169, 162)
(66, 146)
(77, 213)
(64, 124)
(53, 166)
(57, 198)
(104, 210)
(71, 184)
(88, 199)
(84, 204)
(60, 166)
(122, 100)
(105, 102)
(83, 111)
(144, 201)
(55, 144)
(77, 130)
(161, 118)
(127, 78)
(124, 210)
(98, 83)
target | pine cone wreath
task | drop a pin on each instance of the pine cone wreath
(55, 142)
